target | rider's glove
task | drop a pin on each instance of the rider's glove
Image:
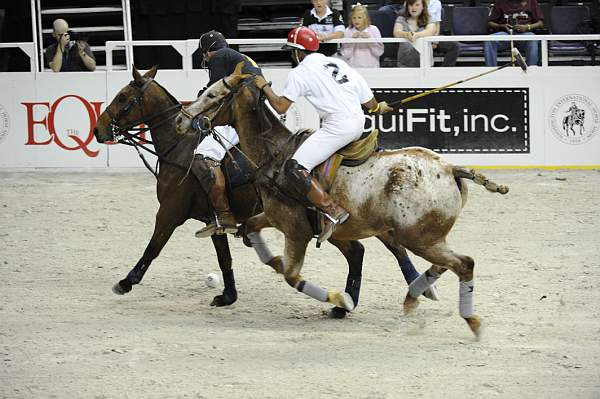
(381, 108)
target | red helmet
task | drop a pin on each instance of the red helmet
(302, 38)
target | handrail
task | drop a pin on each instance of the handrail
(187, 47)
(28, 48)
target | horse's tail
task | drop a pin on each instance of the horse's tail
(460, 172)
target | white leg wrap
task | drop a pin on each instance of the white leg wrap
(260, 246)
(465, 301)
(308, 288)
(421, 283)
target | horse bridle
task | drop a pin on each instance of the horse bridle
(120, 133)
(203, 123)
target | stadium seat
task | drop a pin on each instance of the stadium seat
(565, 21)
(470, 21)
(384, 21)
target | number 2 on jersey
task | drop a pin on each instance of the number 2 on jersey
(336, 69)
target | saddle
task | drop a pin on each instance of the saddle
(354, 154)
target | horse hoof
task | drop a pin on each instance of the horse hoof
(337, 313)
(431, 293)
(342, 300)
(119, 289)
(222, 300)
(474, 323)
(410, 304)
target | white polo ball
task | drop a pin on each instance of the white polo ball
(212, 280)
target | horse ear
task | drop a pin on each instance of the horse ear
(136, 74)
(151, 72)
(238, 68)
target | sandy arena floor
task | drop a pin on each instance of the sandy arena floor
(66, 237)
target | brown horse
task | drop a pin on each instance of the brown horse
(180, 195)
(409, 197)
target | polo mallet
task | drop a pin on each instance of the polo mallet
(510, 32)
(515, 54)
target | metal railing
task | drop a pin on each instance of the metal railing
(28, 48)
(186, 48)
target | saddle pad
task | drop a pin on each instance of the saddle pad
(353, 154)
(236, 175)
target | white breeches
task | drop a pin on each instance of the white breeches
(336, 132)
(211, 148)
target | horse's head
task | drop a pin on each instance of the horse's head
(218, 104)
(128, 108)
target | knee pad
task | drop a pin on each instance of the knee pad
(298, 178)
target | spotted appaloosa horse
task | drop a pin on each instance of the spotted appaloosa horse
(181, 196)
(410, 197)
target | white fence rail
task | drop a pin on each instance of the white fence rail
(186, 48)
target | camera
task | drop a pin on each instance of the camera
(77, 37)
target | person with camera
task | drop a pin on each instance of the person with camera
(67, 55)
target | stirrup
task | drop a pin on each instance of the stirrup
(213, 229)
(329, 228)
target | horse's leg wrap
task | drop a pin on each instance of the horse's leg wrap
(260, 247)
(421, 283)
(465, 302)
(308, 288)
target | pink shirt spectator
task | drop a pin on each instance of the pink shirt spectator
(362, 55)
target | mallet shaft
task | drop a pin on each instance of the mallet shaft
(428, 92)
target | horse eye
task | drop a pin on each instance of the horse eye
(210, 95)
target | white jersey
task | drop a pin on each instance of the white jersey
(329, 84)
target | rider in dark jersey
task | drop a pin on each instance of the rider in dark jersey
(221, 62)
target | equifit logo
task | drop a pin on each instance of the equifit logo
(574, 119)
(439, 121)
(474, 120)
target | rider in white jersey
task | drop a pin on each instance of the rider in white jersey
(338, 93)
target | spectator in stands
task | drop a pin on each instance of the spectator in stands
(450, 50)
(520, 17)
(362, 55)
(413, 24)
(66, 55)
(326, 23)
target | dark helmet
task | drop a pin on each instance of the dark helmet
(212, 41)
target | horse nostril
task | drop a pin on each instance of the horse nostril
(96, 132)
(179, 120)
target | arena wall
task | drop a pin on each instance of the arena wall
(504, 119)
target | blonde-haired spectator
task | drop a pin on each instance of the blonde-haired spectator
(413, 24)
(362, 55)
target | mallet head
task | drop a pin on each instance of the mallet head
(519, 60)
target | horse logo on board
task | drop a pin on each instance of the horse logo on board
(574, 119)
(4, 123)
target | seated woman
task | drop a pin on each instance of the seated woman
(362, 55)
(413, 24)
